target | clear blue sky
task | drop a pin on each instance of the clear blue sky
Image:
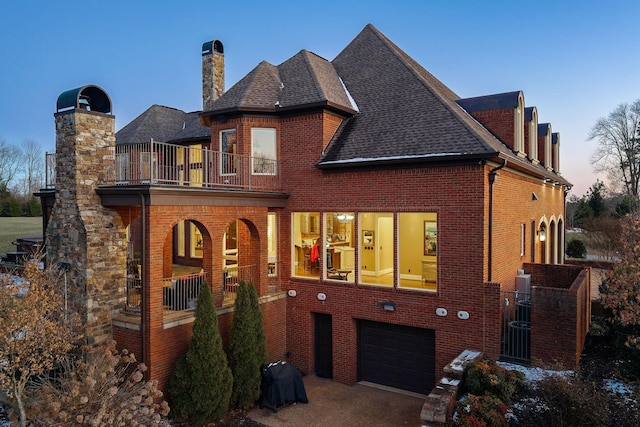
(574, 60)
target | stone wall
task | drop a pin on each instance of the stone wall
(87, 237)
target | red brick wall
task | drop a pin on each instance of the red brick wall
(501, 123)
(560, 313)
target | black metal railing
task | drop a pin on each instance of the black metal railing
(516, 326)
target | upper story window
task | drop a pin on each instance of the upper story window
(229, 151)
(263, 151)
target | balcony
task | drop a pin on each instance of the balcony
(159, 163)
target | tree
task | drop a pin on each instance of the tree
(98, 386)
(618, 153)
(36, 332)
(620, 290)
(10, 161)
(33, 167)
(247, 351)
(200, 388)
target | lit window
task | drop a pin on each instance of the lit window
(376, 263)
(339, 247)
(263, 151)
(307, 245)
(418, 250)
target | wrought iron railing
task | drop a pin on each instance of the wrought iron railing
(169, 164)
(516, 326)
(181, 293)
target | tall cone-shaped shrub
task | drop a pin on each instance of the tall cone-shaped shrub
(201, 385)
(247, 352)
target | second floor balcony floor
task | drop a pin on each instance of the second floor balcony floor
(159, 163)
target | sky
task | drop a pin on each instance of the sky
(576, 61)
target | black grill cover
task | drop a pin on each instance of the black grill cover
(281, 384)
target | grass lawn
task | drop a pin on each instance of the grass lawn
(14, 227)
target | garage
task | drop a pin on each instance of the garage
(396, 356)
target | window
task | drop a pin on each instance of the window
(230, 246)
(376, 248)
(181, 240)
(339, 247)
(307, 245)
(195, 166)
(271, 243)
(263, 151)
(523, 228)
(418, 250)
(196, 241)
(228, 150)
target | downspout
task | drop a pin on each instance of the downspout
(143, 273)
(493, 174)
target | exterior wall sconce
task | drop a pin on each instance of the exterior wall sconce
(542, 234)
(534, 196)
(388, 305)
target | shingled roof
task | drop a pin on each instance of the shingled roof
(405, 112)
(303, 80)
(162, 124)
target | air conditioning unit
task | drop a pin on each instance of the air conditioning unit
(523, 283)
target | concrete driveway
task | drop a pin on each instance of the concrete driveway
(334, 404)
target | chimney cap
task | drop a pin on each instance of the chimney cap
(212, 46)
(89, 97)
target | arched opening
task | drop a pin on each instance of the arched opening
(552, 242)
(542, 237)
(185, 255)
(240, 254)
(560, 245)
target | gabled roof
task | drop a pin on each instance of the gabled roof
(162, 124)
(405, 112)
(543, 129)
(303, 80)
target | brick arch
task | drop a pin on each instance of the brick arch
(543, 253)
(168, 247)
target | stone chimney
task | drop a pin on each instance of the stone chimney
(212, 73)
(84, 238)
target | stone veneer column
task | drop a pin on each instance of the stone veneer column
(212, 73)
(81, 232)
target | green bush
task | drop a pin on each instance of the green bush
(247, 347)
(33, 207)
(11, 207)
(200, 388)
(486, 377)
(576, 249)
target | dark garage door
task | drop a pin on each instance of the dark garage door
(396, 356)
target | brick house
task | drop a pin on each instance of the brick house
(380, 216)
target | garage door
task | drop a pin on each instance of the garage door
(396, 356)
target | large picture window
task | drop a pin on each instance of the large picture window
(307, 244)
(263, 151)
(376, 248)
(418, 250)
(339, 247)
